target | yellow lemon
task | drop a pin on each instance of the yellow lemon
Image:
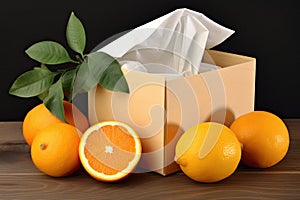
(208, 152)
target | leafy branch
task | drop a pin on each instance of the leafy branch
(53, 86)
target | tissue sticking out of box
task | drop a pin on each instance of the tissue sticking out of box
(172, 45)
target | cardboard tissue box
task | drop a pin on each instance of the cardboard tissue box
(175, 82)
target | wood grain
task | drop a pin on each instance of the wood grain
(150, 186)
(19, 179)
(11, 137)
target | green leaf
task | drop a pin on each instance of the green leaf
(43, 66)
(43, 95)
(75, 34)
(113, 78)
(107, 71)
(98, 62)
(68, 79)
(33, 82)
(85, 79)
(103, 69)
(49, 52)
(54, 100)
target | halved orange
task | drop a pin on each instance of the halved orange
(109, 151)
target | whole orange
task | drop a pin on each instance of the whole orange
(54, 150)
(264, 136)
(40, 117)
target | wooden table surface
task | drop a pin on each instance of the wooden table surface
(19, 179)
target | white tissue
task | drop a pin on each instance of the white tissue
(172, 45)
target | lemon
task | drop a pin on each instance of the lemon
(208, 152)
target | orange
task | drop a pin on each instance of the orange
(40, 117)
(208, 152)
(109, 151)
(264, 136)
(54, 150)
(75, 117)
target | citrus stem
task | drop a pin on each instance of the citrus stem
(43, 146)
(79, 58)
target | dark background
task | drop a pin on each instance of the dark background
(268, 31)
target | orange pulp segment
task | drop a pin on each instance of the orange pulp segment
(109, 151)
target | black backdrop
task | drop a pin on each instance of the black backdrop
(267, 30)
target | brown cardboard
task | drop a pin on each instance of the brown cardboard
(160, 111)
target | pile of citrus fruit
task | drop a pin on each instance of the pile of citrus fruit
(210, 152)
(109, 151)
